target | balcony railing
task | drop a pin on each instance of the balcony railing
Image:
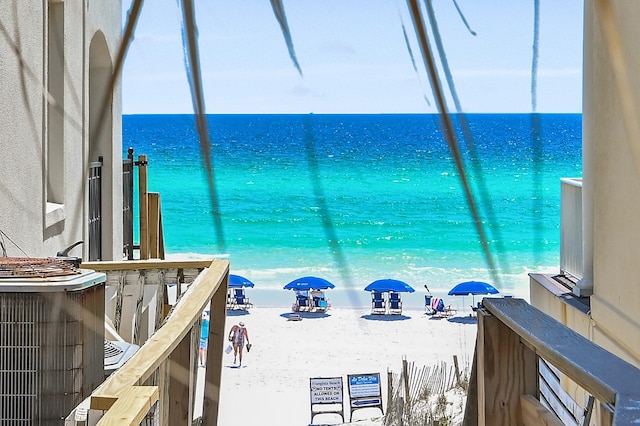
(504, 387)
(158, 383)
(571, 251)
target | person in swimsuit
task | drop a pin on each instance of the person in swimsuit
(237, 336)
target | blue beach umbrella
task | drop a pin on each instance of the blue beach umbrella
(389, 284)
(309, 283)
(472, 288)
(236, 281)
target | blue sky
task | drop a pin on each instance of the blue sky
(353, 57)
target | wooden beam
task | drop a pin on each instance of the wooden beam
(216, 343)
(161, 298)
(117, 314)
(143, 198)
(153, 353)
(132, 265)
(536, 414)
(471, 404)
(154, 225)
(163, 390)
(506, 370)
(181, 381)
(132, 408)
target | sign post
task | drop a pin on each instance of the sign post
(364, 391)
(326, 391)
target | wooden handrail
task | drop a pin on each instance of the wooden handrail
(132, 408)
(156, 351)
(609, 378)
(132, 265)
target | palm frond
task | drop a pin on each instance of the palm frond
(278, 10)
(448, 130)
(192, 65)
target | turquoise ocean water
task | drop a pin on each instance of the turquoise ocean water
(355, 198)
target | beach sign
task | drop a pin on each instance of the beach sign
(364, 391)
(326, 392)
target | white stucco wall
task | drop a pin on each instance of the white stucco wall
(612, 176)
(24, 128)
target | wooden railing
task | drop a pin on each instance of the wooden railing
(160, 378)
(504, 386)
(151, 229)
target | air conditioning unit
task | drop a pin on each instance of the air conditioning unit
(51, 339)
(116, 353)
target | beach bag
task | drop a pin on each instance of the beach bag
(248, 347)
(228, 349)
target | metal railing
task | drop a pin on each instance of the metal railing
(571, 251)
(95, 210)
(127, 205)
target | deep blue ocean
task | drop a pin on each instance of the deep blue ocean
(355, 198)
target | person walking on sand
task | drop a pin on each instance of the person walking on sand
(237, 336)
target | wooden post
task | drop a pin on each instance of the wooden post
(400, 411)
(163, 389)
(389, 390)
(217, 340)
(181, 382)
(457, 369)
(144, 206)
(471, 406)
(132, 408)
(507, 369)
(117, 314)
(156, 235)
(161, 298)
(405, 378)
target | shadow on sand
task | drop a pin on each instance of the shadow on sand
(385, 317)
(464, 320)
(305, 315)
(235, 366)
(237, 313)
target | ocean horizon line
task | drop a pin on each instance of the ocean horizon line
(475, 114)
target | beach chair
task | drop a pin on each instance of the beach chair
(378, 304)
(240, 300)
(437, 304)
(302, 303)
(428, 309)
(395, 303)
(230, 298)
(319, 302)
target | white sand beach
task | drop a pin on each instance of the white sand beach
(272, 386)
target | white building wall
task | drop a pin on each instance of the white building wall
(612, 180)
(39, 228)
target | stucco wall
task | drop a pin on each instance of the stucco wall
(613, 178)
(21, 127)
(24, 128)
